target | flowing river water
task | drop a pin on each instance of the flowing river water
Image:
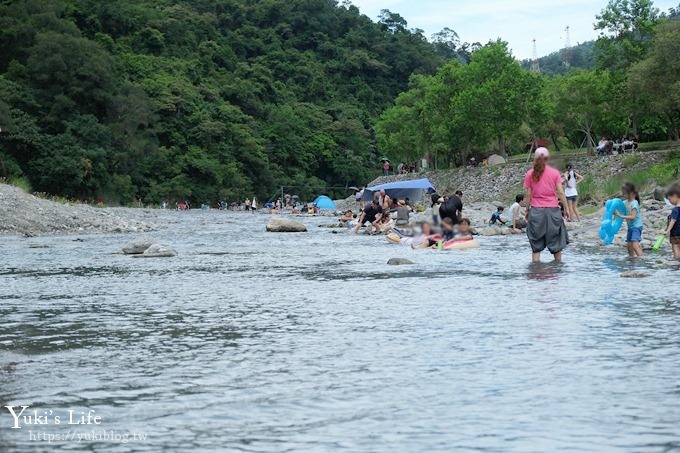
(253, 341)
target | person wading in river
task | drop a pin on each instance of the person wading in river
(452, 207)
(545, 226)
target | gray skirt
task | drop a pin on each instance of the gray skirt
(546, 229)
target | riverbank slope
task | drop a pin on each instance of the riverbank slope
(28, 215)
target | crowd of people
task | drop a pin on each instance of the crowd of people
(607, 146)
(549, 202)
(402, 169)
(382, 214)
(392, 217)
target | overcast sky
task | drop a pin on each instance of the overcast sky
(515, 21)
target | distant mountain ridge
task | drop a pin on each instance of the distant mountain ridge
(582, 56)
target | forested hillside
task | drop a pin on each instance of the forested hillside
(492, 104)
(580, 56)
(203, 99)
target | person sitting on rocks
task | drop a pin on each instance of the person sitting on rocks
(517, 216)
(496, 217)
(403, 212)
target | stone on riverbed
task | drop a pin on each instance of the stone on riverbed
(277, 225)
(660, 194)
(400, 262)
(635, 274)
(137, 246)
(494, 231)
(156, 251)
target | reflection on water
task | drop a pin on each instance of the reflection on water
(250, 341)
(544, 271)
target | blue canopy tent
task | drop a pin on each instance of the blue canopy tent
(400, 190)
(323, 202)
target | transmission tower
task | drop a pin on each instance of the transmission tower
(535, 66)
(567, 48)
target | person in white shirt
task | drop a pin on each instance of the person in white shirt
(516, 214)
(602, 145)
(571, 180)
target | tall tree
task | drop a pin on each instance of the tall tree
(626, 30)
(655, 81)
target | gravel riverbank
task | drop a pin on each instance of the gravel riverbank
(27, 215)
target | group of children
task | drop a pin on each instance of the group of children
(517, 215)
(633, 218)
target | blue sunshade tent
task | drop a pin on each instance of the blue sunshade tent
(323, 202)
(400, 190)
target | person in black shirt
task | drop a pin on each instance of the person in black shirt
(452, 208)
(369, 214)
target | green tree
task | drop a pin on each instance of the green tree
(584, 102)
(655, 81)
(626, 30)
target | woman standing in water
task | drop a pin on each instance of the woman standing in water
(545, 226)
(571, 180)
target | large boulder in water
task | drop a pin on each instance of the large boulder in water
(635, 274)
(278, 225)
(494, 231)
(137, 246)
(400, 262)
(157, 251)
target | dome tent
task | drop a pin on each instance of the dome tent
(495, 159)
(323, 202)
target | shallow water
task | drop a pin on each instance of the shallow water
(249, 341)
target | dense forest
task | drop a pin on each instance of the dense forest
(158, 100)
(213, 100)
(492, 104)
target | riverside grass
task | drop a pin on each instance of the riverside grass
(660, 174)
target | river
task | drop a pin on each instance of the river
(252, 341)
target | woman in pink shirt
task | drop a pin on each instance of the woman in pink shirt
(545, 226)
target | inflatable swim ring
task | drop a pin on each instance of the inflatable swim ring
(394, 238)
(610, 226)
(461, 244)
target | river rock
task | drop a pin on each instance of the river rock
(400, 262)
(635, 274)
(137, 246)
(660, 194)
(157, 251)
(277, 225)
(495, 231)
